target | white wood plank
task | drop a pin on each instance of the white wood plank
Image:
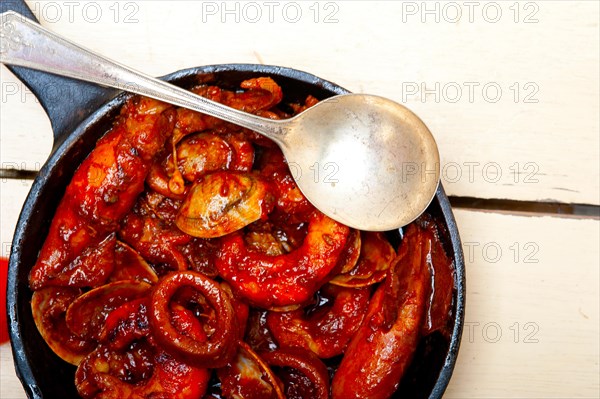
(25, 131)
(10, 387)
(12, 196)
(545, 150)
(532, 317)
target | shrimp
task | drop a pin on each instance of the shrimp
(287, 279)
(104, 187)
(381, 350)
(325, 328)
(260, 95)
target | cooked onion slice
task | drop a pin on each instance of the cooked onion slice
(376, 255)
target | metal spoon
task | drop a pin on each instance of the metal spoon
(363, 160)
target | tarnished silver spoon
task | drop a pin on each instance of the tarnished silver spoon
(363, 160)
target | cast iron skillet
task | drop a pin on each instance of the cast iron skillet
(80, 113)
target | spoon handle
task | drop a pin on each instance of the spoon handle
(25, 43)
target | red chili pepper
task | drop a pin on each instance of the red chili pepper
(3, 323)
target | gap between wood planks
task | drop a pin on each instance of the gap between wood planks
(524, 208)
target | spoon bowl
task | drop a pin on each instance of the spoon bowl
(363, 160)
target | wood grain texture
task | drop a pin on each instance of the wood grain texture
(532, 316)
(12, 196)
(10, 387)
(538, 141)
(532, 321)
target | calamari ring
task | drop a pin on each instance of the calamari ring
(283, 280)
(303, 374)
(219, 347)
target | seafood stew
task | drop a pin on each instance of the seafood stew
(194, 207)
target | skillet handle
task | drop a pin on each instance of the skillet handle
(66, 101)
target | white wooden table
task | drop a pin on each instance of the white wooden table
(511, 92)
